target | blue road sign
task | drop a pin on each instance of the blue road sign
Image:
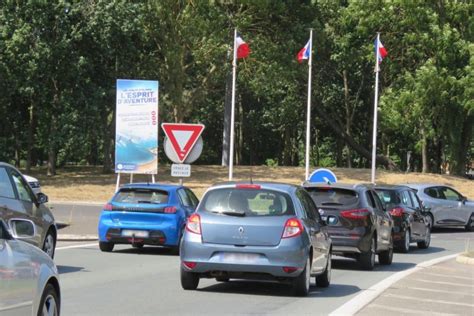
(322, 175)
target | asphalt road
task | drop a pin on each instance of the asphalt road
(82, 219)
(146, 282)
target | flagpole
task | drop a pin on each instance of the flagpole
(232, 115)
(376, 101)
(308, 118)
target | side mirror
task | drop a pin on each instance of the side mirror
(331, 220)
(22, 228)
(42, 198)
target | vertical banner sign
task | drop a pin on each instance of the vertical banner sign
(136, 133)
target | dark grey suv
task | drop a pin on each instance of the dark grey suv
(17, 201)
(363, 227)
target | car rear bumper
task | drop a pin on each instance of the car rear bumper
(245, 262)
(350, 241)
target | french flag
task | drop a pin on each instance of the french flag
(382, 52)
(304, 52)
(243, 49)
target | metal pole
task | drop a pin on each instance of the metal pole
(376, 99)
(118, 182)
(308, 118)
(232, 115)
(152, 178)
(131, 178)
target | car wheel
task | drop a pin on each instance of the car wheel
(301, 282)
(470, 224)
(323, 280)
(386, 257)
(425, 243)
(405, 243)
(49, 244)
(367, 259)
(430, 220)
(49, 303)
(106, 246)
(189, 280)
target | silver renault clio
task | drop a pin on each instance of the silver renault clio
(29, 281)
(256, 231)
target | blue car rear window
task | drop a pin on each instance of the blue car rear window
(132, 195)
(248, 202)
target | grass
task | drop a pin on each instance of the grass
(89, 184)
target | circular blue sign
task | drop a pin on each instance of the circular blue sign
(322, 175)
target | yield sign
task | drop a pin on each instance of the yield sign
(183, 137)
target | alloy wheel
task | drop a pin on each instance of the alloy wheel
(50, 307)
(308, 274)
(48, 246)
(407, 239)
(372, 250)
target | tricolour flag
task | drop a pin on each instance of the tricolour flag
(304, 52)
(243, 49)
(382, 52)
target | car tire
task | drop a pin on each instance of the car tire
(324, 279)
(405, 242)
(49, 244)
(106, 246)
(49, 303)
(431, 220)
(189, 280)
(367, 259)
(386, 256)
(425, 243)
(470, 224)
(301, 282)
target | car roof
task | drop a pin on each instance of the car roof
(338, 185)
(392, 187)
(284, 187)
(147, 185)
(425, 185)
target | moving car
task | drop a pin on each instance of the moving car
(29, 281)
(34, 183)
(255, 231)
(17, 200)
(146, 214)
(447, 207)
(363, 228)
(411, 220)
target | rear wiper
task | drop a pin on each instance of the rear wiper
(231, 213)
(148, 202)
(331, 203)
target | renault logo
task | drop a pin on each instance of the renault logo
(241, 230)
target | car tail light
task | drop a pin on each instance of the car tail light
(194, 224)
(248, 186)
(397, 212)
(293, 228)
(289, 269)
(170, 210)
(355, 214)
(189, 264)
(108, 207)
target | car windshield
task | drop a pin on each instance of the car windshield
(135, 195)
(388, 196)
(247, 202)
(333, 196)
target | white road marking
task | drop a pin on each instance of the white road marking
(444, 283)
(439, 291)
(448, 276)
(405, 310)
(366, 296)
(77, 246)
(427, 300)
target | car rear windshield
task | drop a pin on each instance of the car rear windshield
(135, 195)
(333, 196)
(388, 196)
(247, 202)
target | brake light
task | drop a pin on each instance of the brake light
(170, 210)
(397, 212)
(289, 269)
(293, 228)
(355, 214)
(108, 207)
(248, 186)
(189, 264)
(194, 224)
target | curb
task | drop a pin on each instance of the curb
(465, 259)
(358, 302)
(66, 237)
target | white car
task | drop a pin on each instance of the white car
(34, 183)
(29, 279)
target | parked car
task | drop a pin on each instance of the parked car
(363, 228)
(411, 222)
(256, 231)
(146, 214)
(29, 281)
(34, 183)
(17, 200)
(447, 207)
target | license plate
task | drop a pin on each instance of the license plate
(240, 257)
(136, 233)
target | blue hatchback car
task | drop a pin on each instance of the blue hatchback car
(146, 214)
